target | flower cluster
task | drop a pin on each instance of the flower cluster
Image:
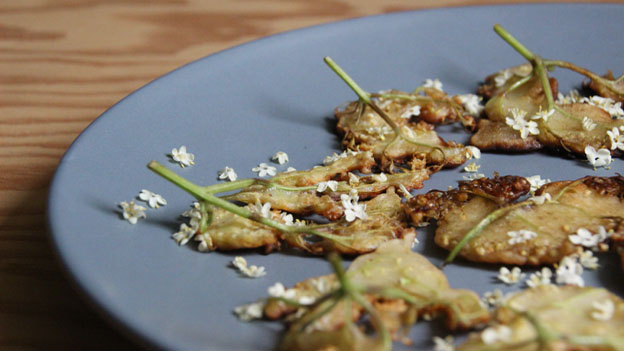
(599, 158)
(252, 271)
(182, 157)
(353, 209)
(520, 236)
(518, 122)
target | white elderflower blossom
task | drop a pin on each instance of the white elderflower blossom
(585, 238)
(264, 170)
(539, 278)
(536, 182)
(290, 169)
(493, 298)
(280, 157)
(411, 111)
(572, 97)
(184, 234)
(613, 108)
(279, 291)
(433, 83)
(543, 114)
(263, 210)
(353, 209)
(540, 200)
(183, 157)
(520, 236)
(510, 277)
(353, 179)
(472, 168)
(153, 200)
(132, 212)
(588, 260)
(205, 242)
(286, 218)
(446, 344)
(518, 122)
(472, 104)
(330, 184)
(499, 333)
(603, 310)
(252, 271)
(569, 272)
(250, 311)
(600, 158)
(502, 77)
(588, 124)
(616, 139)
(228, 173)
(473, 152)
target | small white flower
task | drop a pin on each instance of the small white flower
(510, 277)
(132, 212)
(353, 179)
(539, 278)
(228, 173)
(474, 176)
(572, 97)
(278, 290)
(335, 157)
(182, 157)
(588, 260)
(352, 209)
(262, 210)
(493, 298)
(411, 111)
(542, 114)
(616, 139)
(473, 152)
(499, 333)
(153, 200)
(472, 167)
(613, 108)
(446, 344)
(584, 237)
(520, 236)
(205, 242)
(536, 182)
(249, 312)
(252, 271)
(286, 218)
(588, 124)
(184, 234)
(518, 122)
(472, 103)
(540, 200)
(569, 272)
(603, 310)
(321, 285)
(280, 157)
(502, 77)
(263, 170)
(381, 177)
(433, 83)
(330, 184)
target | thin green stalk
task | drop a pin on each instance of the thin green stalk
(361, 93)
(511, 40)
(541, 73)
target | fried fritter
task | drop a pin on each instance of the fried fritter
(555, 318)
(392, 266)
(590, 203)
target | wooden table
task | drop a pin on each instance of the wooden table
(62, 63)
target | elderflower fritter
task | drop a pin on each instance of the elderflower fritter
(280, 157)
(411, 111)
(569, 272)
(228, 173)
(353, 209)
(330, 184)
(433, 83)
(183, 157)
(520, 236)
(600, 158)
(472, 168)
(495, 334)
(153, 200)
(252, 271)
(510, 277)
(264, 170)
(616, 139)
(446, 344)
(539, 278)
(603, 310)
(132, 212)
(588, 124)
(472, 104)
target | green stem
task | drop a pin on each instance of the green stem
(479, 228)
(541, 72)
(361, 93)
(511, 40)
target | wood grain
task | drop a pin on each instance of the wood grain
(62, 63)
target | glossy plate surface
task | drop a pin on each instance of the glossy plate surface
(240, 106)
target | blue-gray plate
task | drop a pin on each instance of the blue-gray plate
(237, 108)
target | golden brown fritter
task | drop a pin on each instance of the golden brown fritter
(556, 318)
(602, 90)
(589, 203)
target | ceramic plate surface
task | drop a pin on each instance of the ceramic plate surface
(237, 108)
